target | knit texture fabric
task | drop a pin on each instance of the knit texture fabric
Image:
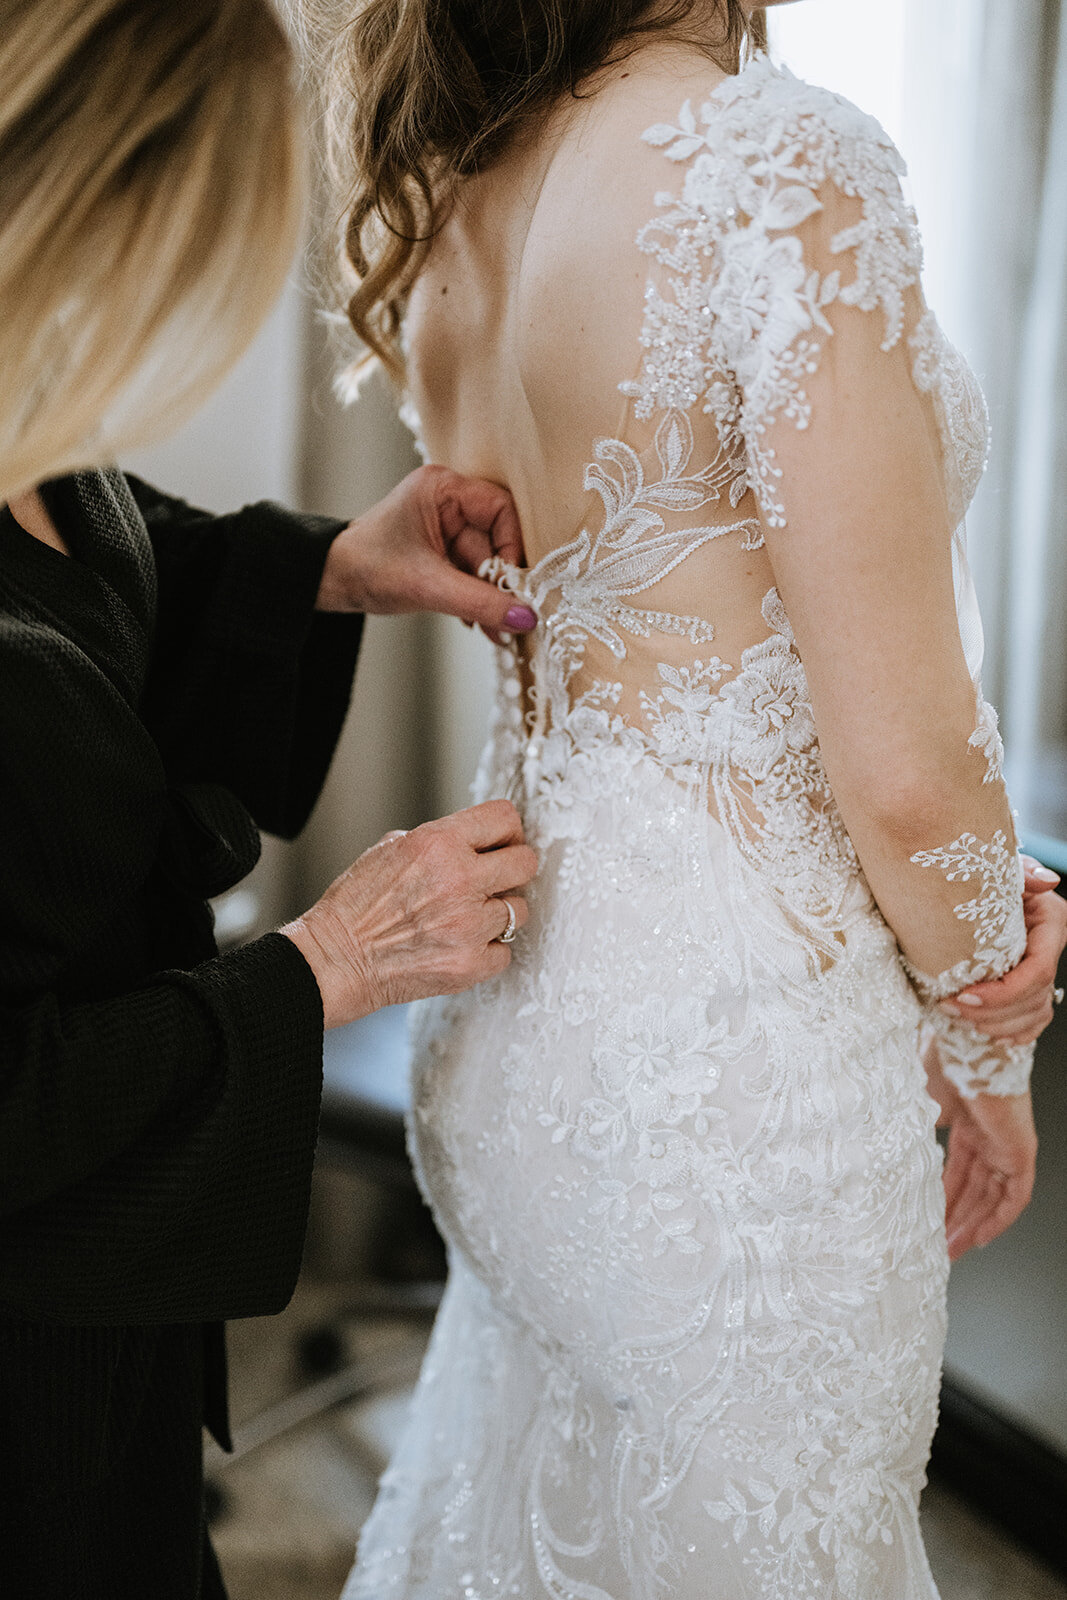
(165, 691)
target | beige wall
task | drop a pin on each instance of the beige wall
(419, 711)
(381, 777)
(243, 445)
(275, 430)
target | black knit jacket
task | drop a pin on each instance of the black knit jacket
(165, 691)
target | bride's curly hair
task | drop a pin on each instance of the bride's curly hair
(422, 93)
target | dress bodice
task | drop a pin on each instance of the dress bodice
(782, 313)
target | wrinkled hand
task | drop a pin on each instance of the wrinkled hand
(990, 1163)
(420, 548)
(1018, 1007)
(418, 913)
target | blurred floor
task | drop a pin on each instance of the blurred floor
(293, 1510)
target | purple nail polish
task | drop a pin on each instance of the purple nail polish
(520, 619)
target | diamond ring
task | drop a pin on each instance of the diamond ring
(509, 932)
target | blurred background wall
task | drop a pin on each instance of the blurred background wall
(275, 431)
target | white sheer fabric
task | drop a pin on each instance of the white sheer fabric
(682, 1151)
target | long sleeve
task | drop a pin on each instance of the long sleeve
(158, 1145)
(863, 431)
(158, 1104)
(248, 686)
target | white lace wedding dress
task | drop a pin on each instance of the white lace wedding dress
(682, 1151)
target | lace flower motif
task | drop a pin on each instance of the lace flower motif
(974, 1064)
(740, 317)
(986, 738)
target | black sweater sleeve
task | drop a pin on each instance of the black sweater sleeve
(248, 685)
(158, 1103)
(158, 1145)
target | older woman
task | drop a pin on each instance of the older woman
(170, 682)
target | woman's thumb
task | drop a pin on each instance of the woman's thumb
(476, 600)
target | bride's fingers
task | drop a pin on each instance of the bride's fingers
(1032, 980)
(983, 1206)
(968, 1200)
(958, 1159)
(1021, 1027)
(1027, 1029)
(1004, 1199)
(988, 1017)
(1009, 1204)
(1032, 1032)
(1037, 878)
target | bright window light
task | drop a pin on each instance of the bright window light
(855, 47)
(908, 69)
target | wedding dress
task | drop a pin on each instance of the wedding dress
(682, 1150)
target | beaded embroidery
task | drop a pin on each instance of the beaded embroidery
(682, 1150)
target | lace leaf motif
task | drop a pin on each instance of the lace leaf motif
(738, 323)
(986, 738)
(971, 1062)
(593, 576)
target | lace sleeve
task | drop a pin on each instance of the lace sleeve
(795, 266)
(973, 1063)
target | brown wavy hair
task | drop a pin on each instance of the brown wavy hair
(422, 93)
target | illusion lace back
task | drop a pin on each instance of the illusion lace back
(682, 1151)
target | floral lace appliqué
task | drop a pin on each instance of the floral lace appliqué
(739, 323)
(970, 1061)
(682, 1149)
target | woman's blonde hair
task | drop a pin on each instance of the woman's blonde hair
(422, 93)
(150, 197)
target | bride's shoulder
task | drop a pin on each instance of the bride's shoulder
(676, 106)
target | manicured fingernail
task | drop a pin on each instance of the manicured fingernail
(1045, 875)
(520, 619)
(969, 999)
(950, 1006)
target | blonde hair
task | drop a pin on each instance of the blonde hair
(150, 198)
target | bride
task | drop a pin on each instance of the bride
(683, 1149)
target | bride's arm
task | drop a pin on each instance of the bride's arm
(1020, 1005)
(816, 309)
(790, 305)
(859, 535)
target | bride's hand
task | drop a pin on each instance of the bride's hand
(420, 549)
(419, 913)
(1018, 1007)
(990, 1161)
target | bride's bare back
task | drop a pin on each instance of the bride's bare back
(528, 315)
